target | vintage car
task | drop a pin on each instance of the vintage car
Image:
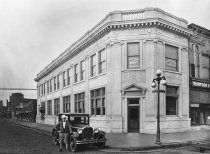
(82, 133)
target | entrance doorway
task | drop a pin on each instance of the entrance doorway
(133, 115)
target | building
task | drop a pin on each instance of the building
(21, 108)
(27, 110)
(108, 73)
(199, 45)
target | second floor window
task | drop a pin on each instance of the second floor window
(76, 73)
(133, 52)
(50, 85)
(56, 106)
(49, 107)
(64, 78)
(171, 58)
(82, 70)
(93, 65)
(79, 100)
(55, 83)
(44, 87)
(206, 67)
(68, 77)
(58, 81)
(101, 61)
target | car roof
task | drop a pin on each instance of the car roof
(75, 114)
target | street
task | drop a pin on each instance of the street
(18, 139)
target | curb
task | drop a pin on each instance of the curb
(133, 149)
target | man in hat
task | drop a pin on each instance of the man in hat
(64, 129)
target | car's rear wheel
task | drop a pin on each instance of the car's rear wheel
(101, 144)
(73, 144)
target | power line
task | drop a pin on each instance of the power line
(17, 89)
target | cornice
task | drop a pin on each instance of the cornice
(105, 26)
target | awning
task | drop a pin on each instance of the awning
(199, 97)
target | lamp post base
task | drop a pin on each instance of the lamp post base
(158, 142)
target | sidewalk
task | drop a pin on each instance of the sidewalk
(136, 141)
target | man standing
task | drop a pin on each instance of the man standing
(64, 129)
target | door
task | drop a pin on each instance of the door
(133, 115)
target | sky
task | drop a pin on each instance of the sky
(34, 32)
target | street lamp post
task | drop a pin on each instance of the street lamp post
(158, 79)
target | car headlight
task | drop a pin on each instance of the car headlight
(79, 131)
(96, 130)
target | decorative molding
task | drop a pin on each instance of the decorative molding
(105, 26)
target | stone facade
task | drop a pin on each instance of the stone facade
(152, 29)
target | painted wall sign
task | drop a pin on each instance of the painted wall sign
(133, 62)
(200, 84)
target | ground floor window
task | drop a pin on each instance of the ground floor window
(56, 106)
(66, 104)
(98, 101)
(49, 107)
(171, 100)
(79, 100)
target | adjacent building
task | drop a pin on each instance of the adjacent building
(21, 108)
(199, 53)
(108, 73)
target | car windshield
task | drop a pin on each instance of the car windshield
(79, 120)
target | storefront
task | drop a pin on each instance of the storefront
(199, 102)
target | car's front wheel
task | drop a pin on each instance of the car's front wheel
(101, 144)
(73, 144)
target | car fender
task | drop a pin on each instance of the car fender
(75, 134)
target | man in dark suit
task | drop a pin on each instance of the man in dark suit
(64, 129)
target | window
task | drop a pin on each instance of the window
(76, 73)
(58, 81)
(133, 50)
(54, 83)
(64, 78)
(42, 109)
(44, 87)
(50, 85)
(79, 100)
(66, 104)
(56, 106)
(48, 88)
(82, 70)
(93, 65)
(206, 67)
(68, 76)
(171, 58)
(98, 101)
(39, 90)
(101, 61)
(171, 100)
(49, 107)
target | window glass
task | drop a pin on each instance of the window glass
(171, 57)
(171, 100)
(98, 101)
(133, 51)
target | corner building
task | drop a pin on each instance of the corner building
(108, 73)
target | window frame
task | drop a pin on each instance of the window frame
(80, 101)
(82, 70)
(93, 100)
(49, 107)
(64, 79)
(56, 106)
(169, 58)
(92, 65)
(176, 95)
(68, 77)
(101, 62)
(128, 56)
(76, 73)
(67, 104)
